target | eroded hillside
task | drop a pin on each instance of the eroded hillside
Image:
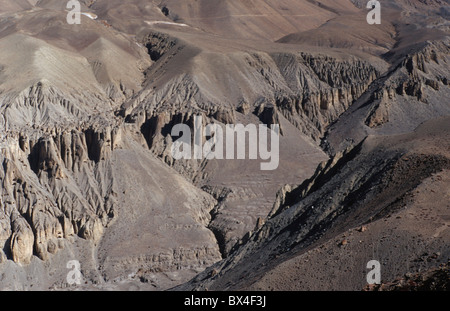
(86, 117)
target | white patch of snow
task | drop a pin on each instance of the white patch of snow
(166, 23)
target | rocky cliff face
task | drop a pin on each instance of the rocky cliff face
(61, 187)
(85, 136)
(304, 225)
(309, 91)
(62, 142)
(52, 190)
(301, 91)
(419, 75)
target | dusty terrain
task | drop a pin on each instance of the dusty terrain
(87, 173)
(393, 209)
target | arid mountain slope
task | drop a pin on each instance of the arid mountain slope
(85, 138)
(256, 19)
(385, 199)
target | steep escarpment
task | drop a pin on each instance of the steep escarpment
(322, 89)
(315, 214)
(87, 173)
(418, 76)
(303, 92)
(54, 187)
(413, 90)
(56, 138)
(309, 90)
(62, 153)
(77, 185)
